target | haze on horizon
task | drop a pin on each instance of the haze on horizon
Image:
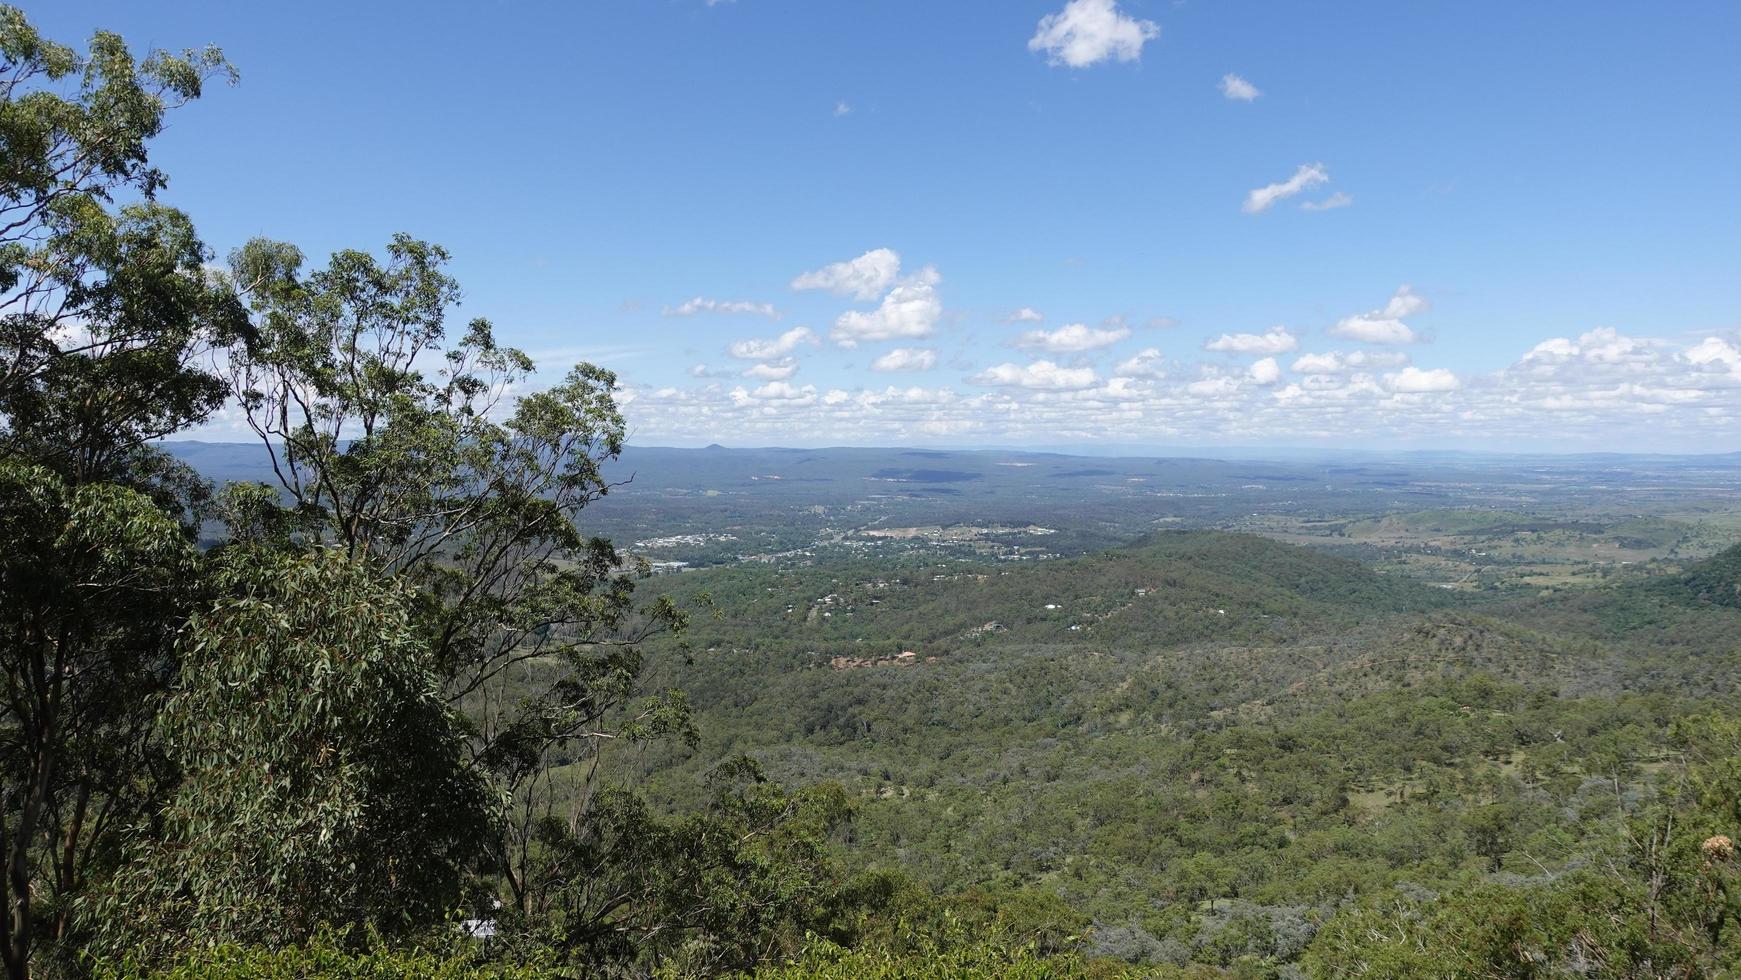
(1038, 224)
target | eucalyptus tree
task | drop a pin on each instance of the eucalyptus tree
(323, 786)
(106, 309)
(442, 465)
(91, 578)
(745, 880)
(106, 314)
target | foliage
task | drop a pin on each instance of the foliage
(92, 581)
(1583, 924)
(728, 887)
(965, 961)
(416, 475)
(1716, 579)
(104, 314)
(105, 308)
(1202, 796)
(1664, 905)
(322, 783)
(329, 956)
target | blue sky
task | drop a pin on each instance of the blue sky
(1539, 202)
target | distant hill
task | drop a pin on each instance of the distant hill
(1717, 579)
(1173, 588)
(225, 462)
(1210, 584)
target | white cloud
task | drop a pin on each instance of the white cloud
(1373, 330)
(757, 349)
(1599, 390)
(1072, 338)
(1384, 326)
(1039, 374)
(1087, 32)
(1336, 362)
(1405, 302)
(1606, 353)
(1266, 371)
(1331, 203)
(863, 278)
(1026, 314)
(1275, 340)
(773, 370)
(779, 391)
(841, 108)
(1217, 387)
(1414, 380)
(1238, 89)
(911, 309)
(1714, 352)
(1603, 348)
(906, 359)
(1556, 349)
(1146, 363)
(701, 304)
(1330, 363)
(1605, 345)
(1307, 176)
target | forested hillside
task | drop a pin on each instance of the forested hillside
(1243, 741)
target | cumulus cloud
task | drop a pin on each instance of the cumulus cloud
(1336, 362)
(906, 359)
(1415, 380)
(863, 278)
(757, 349)
(1216, 387)
(1606, 357)
(1039, 375)
(1275, 340)
(701, 304)
(1405, 302)
(1605, 345)
(1373, 330)
(1026, 314)
(1717, 353)
(1238, 89)
(1306, 177)
(778, 391)
(1146, 363)
(1331, 363)
(1331, 203)
(1555, 349)
(1072, 338)
(773, 370)
(1384, 326)
(841, 108)
(911, 309)
(1088, 32)
(1600, 389)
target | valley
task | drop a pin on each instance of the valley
(1199, 708)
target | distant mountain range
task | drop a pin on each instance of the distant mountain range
(664, 466)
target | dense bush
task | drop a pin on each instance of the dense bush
(325, 959)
